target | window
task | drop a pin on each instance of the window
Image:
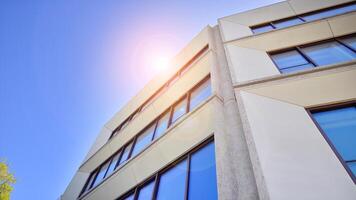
(90, 182)
(329, 53)
(202, 176)
(125, 154)
(172, 182)
(143, 140)
(146, 191)
(162, 125)
(159, 92)
(287, 22)
(329, 12)
(308, 56)
(339, 128)
(350, 42)
(157, 128)
(101, 174)
(199, 94)
(191, 177)
(113, 164)
(179, 110)
(262, 29)
(325, 13)
(291, 61)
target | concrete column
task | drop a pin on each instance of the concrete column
(235, 175)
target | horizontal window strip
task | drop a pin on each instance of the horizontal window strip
(307, 17)
(194, 97)
(322, 53)
(192, 176)
(159, 92)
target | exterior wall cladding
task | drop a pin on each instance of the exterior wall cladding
(274, 73)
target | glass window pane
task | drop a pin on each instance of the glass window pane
(287, 23)
(143, 140)
(113, 164)
(162, 125)
(329, 53)
(172, 183)
(125, 154)
(101, 174)
(202, 180)
(200, 94)
(289, 59)
(352, 166)
(351, 41)
(329, 13)
(340, 127)
(145, 193)
(297, 68)
(262, 29)
(179, 110)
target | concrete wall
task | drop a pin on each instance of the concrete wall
(247, 56)
(296, 161)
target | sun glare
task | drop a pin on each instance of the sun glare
(160, 63)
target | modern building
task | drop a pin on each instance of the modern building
(260, 106)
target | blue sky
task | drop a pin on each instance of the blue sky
(67, 66)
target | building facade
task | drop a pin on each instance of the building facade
(260, 106)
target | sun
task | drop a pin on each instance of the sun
(160, 63)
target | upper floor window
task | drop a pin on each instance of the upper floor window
(156, 129)
(308, 56)
(338, 126)
(193, 177)
(179, 110)
(199, 94)
(159, 92)
(312, 16)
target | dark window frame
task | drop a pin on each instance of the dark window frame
(330, 107)
(159, 173)
(300, 16)
(299, 49)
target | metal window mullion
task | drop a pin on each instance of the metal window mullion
(187, 178)
(120, 156)
(346, 45)
(132, 146)
(302, 53)
(299, 17)
(347, 161)
(272, 24)
(96, 175)
(188, 102)
(135, 193)
(107, 169)
(171, 113)
(155, 188)
(155, 129)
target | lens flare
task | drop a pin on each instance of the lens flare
(160, 63)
